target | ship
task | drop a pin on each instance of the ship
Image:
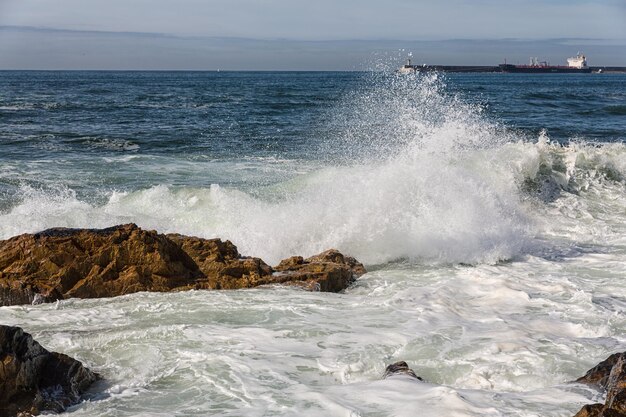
(575, 65)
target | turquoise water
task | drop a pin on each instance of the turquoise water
(489, 209)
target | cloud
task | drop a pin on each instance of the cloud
(330, 19)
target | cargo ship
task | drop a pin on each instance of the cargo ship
(575, 65)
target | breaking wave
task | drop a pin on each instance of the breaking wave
(411, 172)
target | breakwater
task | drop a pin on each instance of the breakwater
(496, 68)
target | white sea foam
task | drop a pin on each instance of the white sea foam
(475, 208)
(414, 209)
(490, 340)
(423, 184)
(414, 174)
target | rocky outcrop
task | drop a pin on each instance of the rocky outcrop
(90, 263)
(221, 265)
(87, 263)
(400, 368)
(328, 271)
(609, 375)
(34, 380)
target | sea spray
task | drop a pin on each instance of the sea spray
(412, 191)
(411, 172)
(393, 114)
(496, 339)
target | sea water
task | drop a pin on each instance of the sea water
(489, 209)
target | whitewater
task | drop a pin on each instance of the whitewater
(496, 256)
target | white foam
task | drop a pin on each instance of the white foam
(451, 195)
(412, 172)
(420, 175)
(424, 187)
(286, 352)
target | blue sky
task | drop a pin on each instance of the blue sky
(296, 34)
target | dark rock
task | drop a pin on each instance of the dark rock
(400, 368)
(610, 375)
(609, 412)
(599, 374)
(90, 263)
(616, 386)
(34, 380)
(590, 410)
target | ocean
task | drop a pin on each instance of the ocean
(489, 210)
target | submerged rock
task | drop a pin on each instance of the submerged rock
(400, 368)
(609, 375)
(34, 380)
(91, 263)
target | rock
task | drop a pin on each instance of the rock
(89, 263)
(400, 368)
(34, 380)
(616, 386)
(599, 374)
(327, 271)
(222, 265)
(590, 410)
(610, 375)
(334, 256)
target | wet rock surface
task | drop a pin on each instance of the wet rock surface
(400, 368)
(328, 271)
(609, 375)
(221, 265)
(34, 380)
(66, 263)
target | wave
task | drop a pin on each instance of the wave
(482, 208)
(411, 173)
(110, 143)
(541, 95)
(616, 110)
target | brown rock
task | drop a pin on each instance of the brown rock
(222, 265)
(89, 263)
(598, 410)
(327, 271)
(609, 374)
(599, 374)
(33, 380)
(590, 410)
(333, 255)
(610, 412)
(616, 386)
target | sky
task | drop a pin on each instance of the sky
(300, 35)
